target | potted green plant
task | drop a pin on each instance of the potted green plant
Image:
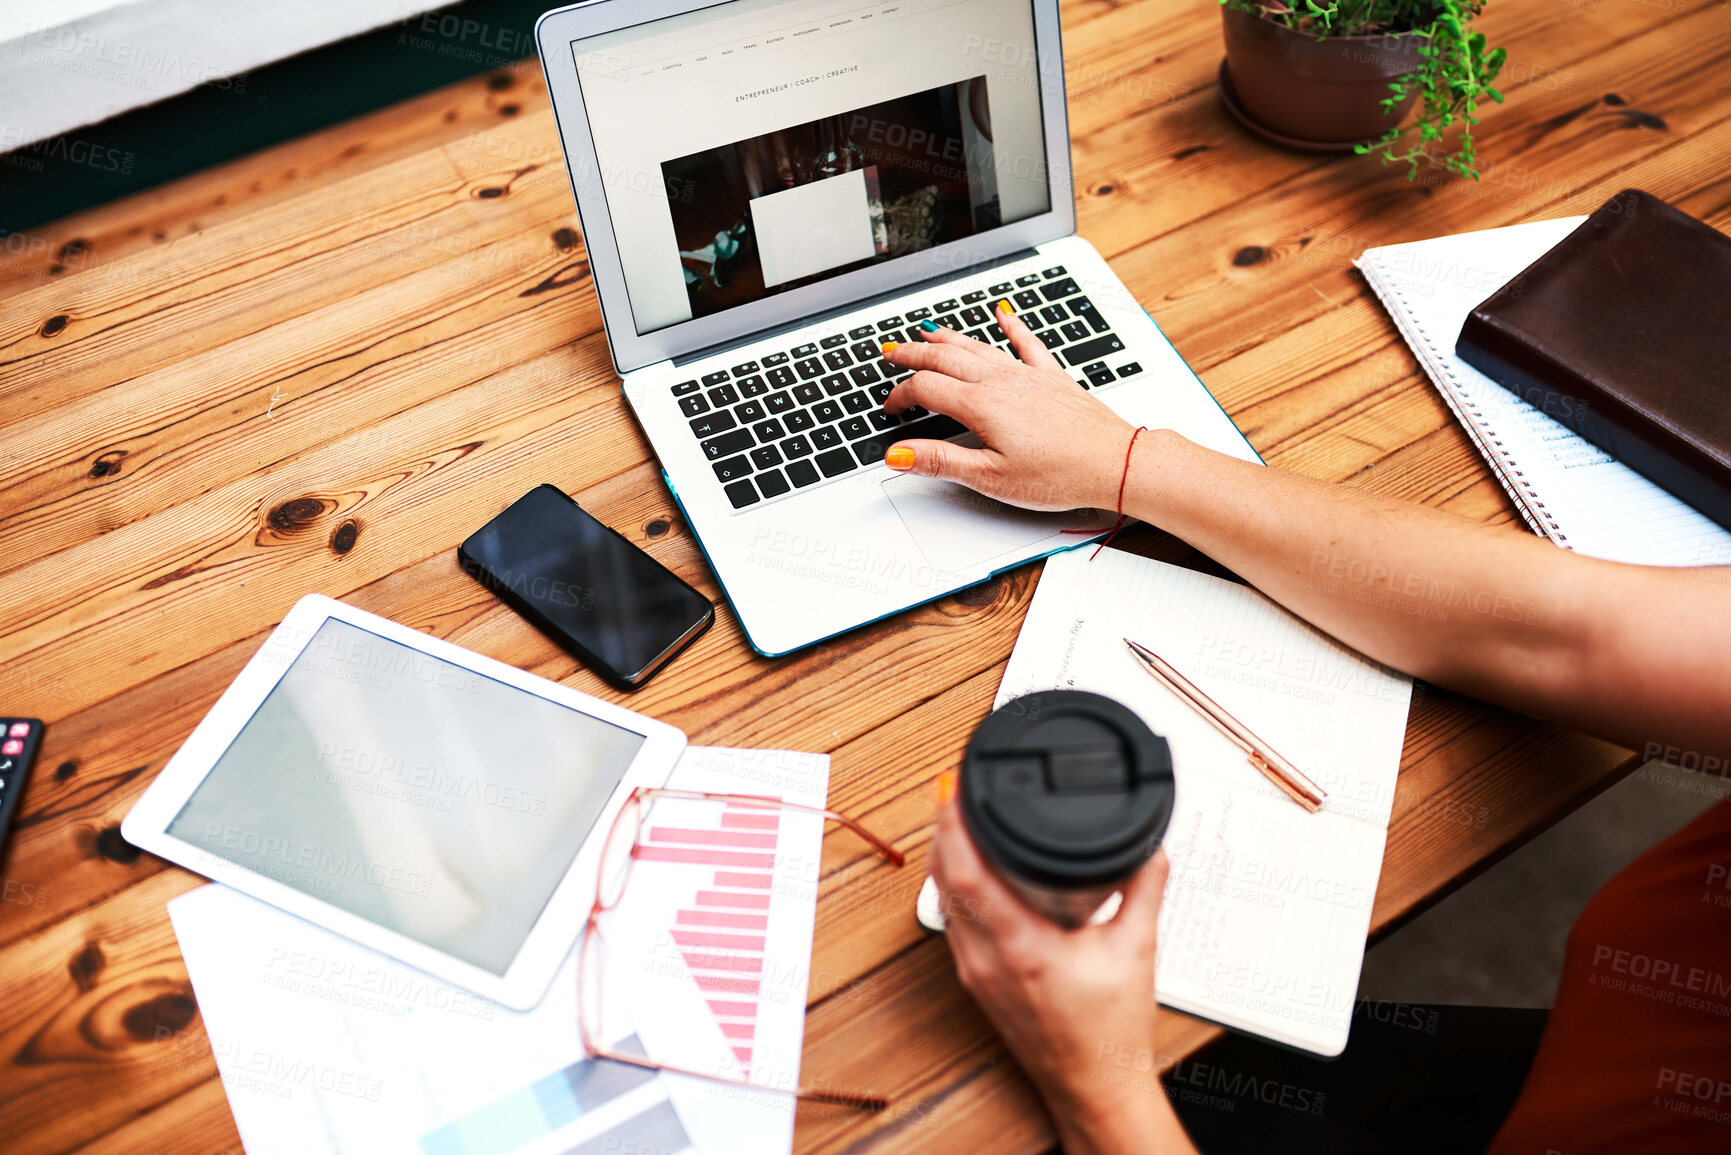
(1341, 76)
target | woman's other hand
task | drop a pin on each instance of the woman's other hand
(1076, 1007)
(1048, 443)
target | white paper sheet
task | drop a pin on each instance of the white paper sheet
(1268, 906)
(324, 1045)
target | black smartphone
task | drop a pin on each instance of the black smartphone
(621, 611)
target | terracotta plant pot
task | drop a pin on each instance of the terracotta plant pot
(1298, 91)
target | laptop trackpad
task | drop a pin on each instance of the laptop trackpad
(958, 529)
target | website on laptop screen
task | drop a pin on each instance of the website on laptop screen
(764, 145)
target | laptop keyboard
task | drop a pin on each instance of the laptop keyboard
(797, 417)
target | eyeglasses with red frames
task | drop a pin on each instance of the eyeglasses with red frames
(618, 852)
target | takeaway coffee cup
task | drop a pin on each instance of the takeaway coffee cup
(1066, 794)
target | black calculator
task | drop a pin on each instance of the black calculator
(20, 738)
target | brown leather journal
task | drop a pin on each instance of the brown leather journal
(1622, 332)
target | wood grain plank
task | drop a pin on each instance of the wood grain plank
(77, 244)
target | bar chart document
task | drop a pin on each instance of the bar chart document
(325, 1045)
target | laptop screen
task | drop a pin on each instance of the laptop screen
(759, 146)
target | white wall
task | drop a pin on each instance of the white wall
(69, 63)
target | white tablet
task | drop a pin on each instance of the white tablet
(438, 806)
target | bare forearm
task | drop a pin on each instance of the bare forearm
(1490, 611)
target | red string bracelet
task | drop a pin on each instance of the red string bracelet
(1123, 478)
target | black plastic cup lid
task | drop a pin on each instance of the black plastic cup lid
(1067, 789)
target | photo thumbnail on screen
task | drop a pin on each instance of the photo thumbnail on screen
(790, 207)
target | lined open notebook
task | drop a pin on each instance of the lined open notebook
(1268, 905)
(1567, 488)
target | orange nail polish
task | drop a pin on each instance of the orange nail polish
(1004, 307)
(889, 347)
(946, 787)
(900, 457)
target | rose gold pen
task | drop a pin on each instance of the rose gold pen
(1262, 756)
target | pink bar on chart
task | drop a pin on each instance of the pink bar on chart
(737, 1010)
(751, 821)
(723, 918)
(718, 941)
(738, 1030)
(749, 881)
(717, 984)
(743, 1054)
(723, 962)
(690, 837)
(703, 857)
(732, 898)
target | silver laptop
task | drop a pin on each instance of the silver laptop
(770, 189)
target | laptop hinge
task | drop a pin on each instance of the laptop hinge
(852, 306)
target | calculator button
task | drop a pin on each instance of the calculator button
(19, 730)
(12, 746)
(684, 387)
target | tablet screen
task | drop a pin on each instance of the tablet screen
(413, 792)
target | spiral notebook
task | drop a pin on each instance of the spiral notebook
(1568, 489)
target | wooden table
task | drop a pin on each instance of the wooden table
(318, 368)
